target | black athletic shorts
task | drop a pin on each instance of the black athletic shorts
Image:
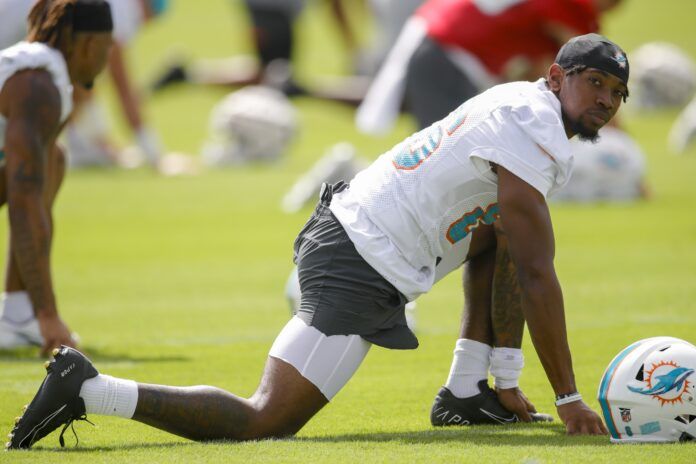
(341, 293)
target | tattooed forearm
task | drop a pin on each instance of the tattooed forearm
(28, 176)
(197, 413)
(506, 315)
(30, 244)
(32, 123)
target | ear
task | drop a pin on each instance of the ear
(555, 76)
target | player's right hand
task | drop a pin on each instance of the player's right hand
(579, 419)
(54, 332)
(516, 402)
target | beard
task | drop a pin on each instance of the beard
(583, 132)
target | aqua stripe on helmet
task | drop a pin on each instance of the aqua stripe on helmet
(604, 388)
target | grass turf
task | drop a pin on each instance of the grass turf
(180, 280)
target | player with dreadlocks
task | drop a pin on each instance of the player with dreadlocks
(68, 45)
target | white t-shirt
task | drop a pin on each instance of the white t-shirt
(411, 213)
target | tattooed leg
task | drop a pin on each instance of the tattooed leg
(282, 404)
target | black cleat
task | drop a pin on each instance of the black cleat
(481, 409)
(57, 402)
(173, 75)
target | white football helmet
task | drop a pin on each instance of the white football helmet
(662, 75)
(647, 392)
(255, 123)
(613, 169)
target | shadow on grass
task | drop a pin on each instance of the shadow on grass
(115, 448)
(508, 435)
(95, 354)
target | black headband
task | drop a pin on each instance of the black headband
(94, 16)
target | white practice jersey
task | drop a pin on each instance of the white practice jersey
(35, 55)
(411, 213)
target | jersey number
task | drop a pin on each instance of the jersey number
(414, 154)
(471, 220)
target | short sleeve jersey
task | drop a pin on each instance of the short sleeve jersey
(412, 212)
(35, 55)
(496, 31)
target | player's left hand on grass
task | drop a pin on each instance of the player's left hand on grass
(579, 419)
(516, 402)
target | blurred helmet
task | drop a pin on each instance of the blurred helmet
(662, 75)
(647, 392)
(612, 169)
(252, 124)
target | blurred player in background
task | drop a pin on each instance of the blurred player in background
(68, 45)
(390, 17)
(471, 188)
(453, 49)
(272, 30)
(87, 135)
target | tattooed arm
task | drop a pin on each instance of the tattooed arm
(32, 106)
(507, 319)
(506, 314)
(526, 219)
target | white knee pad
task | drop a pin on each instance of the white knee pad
(326, 361)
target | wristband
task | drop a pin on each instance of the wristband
(568, 398)
(506, 366)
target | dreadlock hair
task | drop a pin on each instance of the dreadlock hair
(51, 21)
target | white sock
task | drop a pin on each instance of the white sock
(469, 367)
(109, 396)
(17, 308)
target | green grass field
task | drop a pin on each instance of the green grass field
(180, 280)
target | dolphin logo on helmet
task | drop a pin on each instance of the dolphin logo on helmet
(672, 381)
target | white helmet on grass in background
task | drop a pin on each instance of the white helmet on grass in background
(647, 392)
(612, 169)
(662, 75)
(255, 123)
